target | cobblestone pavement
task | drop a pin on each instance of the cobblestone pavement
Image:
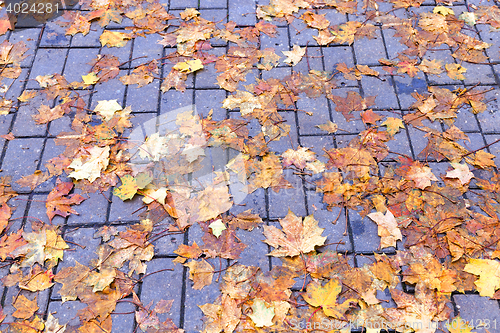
(51, 51)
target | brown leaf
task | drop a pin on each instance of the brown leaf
(59, 203)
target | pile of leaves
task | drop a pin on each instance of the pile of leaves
(444, 227)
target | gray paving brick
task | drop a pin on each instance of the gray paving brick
(213, 3)
(333, 231)
(446, 58)
(78, 63)
(189, 81)
(166, 285)
(336, 55)
(384, 90)
(292, 198)
(5, 123)
(144, 98)
(478, 74)
(392, 44)
(126, 22)
(172, 100)
(67, 312)
(254, 201)
(92, 210)
(405, 86)
(207, 77)
(279, 43)
(290, 141)
(109, 90)
(54, 35)
(466, 121)
(321, 114)
(123, 53)
(243, 13)
(182, 4)
(123, 322)
(277, 73)
(487, 119)
(89, 40)
(25, 115)
(369, 51)
(193, 315)
(365, 233)
(255, 254)
(300, 34)
(122, 210)
(316, 144)
(47, 62)
(21, 158)
(476, 309)
(207, 100)
(494, 149)
(315, 61)
(353, 126)
(148, 48)
(30, 38)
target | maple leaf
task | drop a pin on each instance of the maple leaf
(38, 280)
(243, 100)
(329, 127)
(421, 175)
(297, 237)
(261, 314)
(59, 203)
(90, 168)
(217, 227)
(370, 117)
(326, 298)
(33, 180)
(127, 189)
(47, 114)
(246, 220)
(107, 108)
(90, 78)
(213, 200)
(387, 228)
(352, 102)
(294, 56)
(443, 10)
(461, 171)
(454, 71)
(298, 157)
(489, 275)
(5, 213)
(393, 125)
(431, 66)
(114, 38)
(52, 325)
(25, 307)
(201, 272)
(189, 66)
(482, 160)
(191, 251)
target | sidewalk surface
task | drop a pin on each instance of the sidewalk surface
(392, 83)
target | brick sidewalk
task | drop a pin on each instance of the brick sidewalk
(51, 51)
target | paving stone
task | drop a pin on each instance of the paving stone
(213, 3)
(78, 63)
(92, 210)
(277, 73)
(292, 198)
(316, 144)
(30, 38)
(392, 44)
(290, 141)
(182, 4)
(207, 100)
(193, 315)
(300, 35)
(320, 114)
(109, 90)
(207, 77)
(25, 115)
(165, 285)
(365, 233)
(12, 293)
(279, 42)
(21, 159)
(405, 86)
(255, 254)
(89, 40)
(488, 119)
(369, 51)
(315, 61)
(481, 74)
(5, 123)
(122, 210)
(332, 221)
(123, 322)
(144, 98)
(54, 35)
(47, 62)
(148, 48)
(251, 78)
(399, 145)
(126, 22)
(495, 148)
(243, 13)
(383, 90)
(445, 58)
(476, 310)
(332, 56)
(172, 100)
(67, 312)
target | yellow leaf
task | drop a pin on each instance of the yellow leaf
(114, 38)
(393, 125)
(189, 66)
(489, 275)
(455, 71)
(326, 297)
(443, 10)
(294, 56)
(107, 108)
(90, 78)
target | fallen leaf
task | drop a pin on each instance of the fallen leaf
(326, 298)
(114, 38)
(461, 171)
(489, 275)
(261, 314)
(388, 228)
(295, 56)
(59, 202)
